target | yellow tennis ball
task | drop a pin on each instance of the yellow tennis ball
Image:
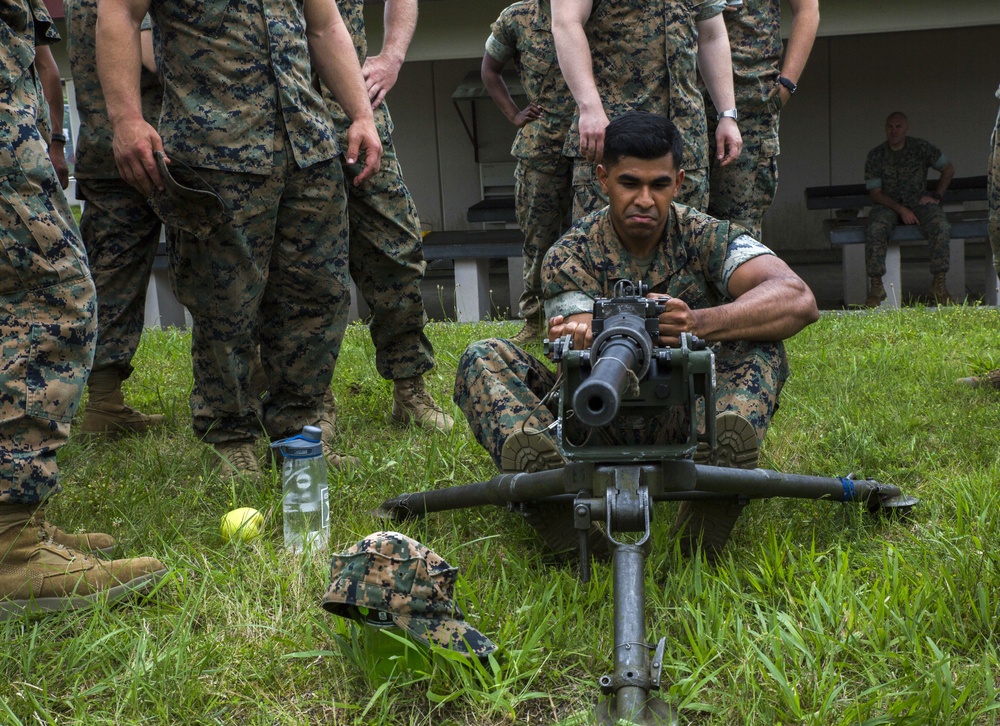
(243, 524)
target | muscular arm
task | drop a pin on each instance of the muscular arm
(119, 64)
(48, 71)
(576, 64)
(770, 303)
(805, 24)
(716, 65)
(335, 60)
(491, 72)
(382, 70)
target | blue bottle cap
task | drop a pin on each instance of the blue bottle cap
(304, 446)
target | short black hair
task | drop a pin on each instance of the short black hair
(642, 135)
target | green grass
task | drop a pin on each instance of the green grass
(817, 614)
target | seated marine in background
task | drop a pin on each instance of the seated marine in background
(714, 280)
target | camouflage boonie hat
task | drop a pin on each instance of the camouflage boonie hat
(188, 202)
(396, 575)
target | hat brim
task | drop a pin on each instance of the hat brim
(456, 635)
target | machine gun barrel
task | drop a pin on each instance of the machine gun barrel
(597, 400)
(500, 490)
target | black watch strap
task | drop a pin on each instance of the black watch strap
(787, 83)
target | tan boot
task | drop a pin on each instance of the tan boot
(106, 412)
(531, 331)
(328, 424)
(411, 403)
(37, 575)
(939, 289)
(84, 541)
(876, 292)
(237, 459)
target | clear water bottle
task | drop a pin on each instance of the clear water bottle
(304, 491)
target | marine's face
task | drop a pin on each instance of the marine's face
(639, 194)
(896, 130)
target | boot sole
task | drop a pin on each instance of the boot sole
(45, 605)
(529, 452)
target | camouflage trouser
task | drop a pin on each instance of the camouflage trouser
(47, 309)
(993, 184)
(588, 197)
(743, 191)
(542, 199)
(930, 219)
(387, 264)
(276, 275)
(500, 388)
(121, 232)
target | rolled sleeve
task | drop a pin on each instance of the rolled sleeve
(740, 251)
(498, 51)
(941, 163)
(569, 303)
(873, 184)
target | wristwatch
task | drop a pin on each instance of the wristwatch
(787, 83)
(731, 113)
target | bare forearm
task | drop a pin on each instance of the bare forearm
(805, 24)
(119, 58)
(491, 72)
(48, 71)
(946, 176)
(715, 62)
(332, 52)
(774, 310)
(400, 19)
(573, 51)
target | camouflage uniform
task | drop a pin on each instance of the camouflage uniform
(239, 106)
(499, 387)
(47, 315)
(743, 190)
(386, 252)
(120, 231)
(993, 182)
(543, 177)
(645, 58)
(903, 176)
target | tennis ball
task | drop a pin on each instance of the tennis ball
(243, 524)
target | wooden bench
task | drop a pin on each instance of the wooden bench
(848, 230)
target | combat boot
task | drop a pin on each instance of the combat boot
(236, 459)
(990, 380)
(531, 331)
(876, 292)
(710, 522)
(411, 403)
(37, 575)
(106, 412)
(84, 541)
(939, 289)
(529, 450)
(328, 425)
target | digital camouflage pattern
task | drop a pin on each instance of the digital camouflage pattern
(499, 387)
(645, 58)
(902, 175)
(386, 249)
(47, 301)
(523, 33)
(543, 177)
(95, 158)
(394, 574)
(933, 224)
(275, 275)
(743, 190)
(120, 232)
(542, 200)
(230, 89)
(993, 182)
(239, 107)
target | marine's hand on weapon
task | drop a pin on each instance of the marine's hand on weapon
(134, 143)
(676, 318)
(362, 136)
(577, 326)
